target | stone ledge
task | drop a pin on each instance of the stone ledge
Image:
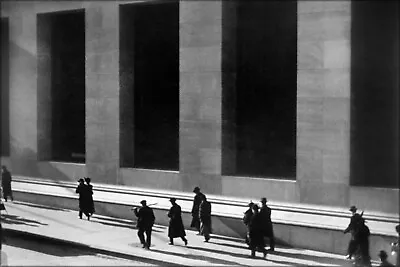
(304, 215)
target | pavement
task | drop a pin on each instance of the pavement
(117, 237)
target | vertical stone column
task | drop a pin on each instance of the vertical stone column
(102, 91)
(44, 86)
(23, 91)
(323, 101)
(200, 95)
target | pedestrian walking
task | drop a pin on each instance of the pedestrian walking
(355, 217)
(205, 218)
(246, 220)
(384, 259)
(6, 183)
(84, 203)
(256, 230)
(176, 228)
(195, 209)
(265, 213)
(91, 208)
(145, 221)
(361, 237)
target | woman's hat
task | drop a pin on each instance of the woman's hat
(353, 208)
(196, 189)
(172, 199)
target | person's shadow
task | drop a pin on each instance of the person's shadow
(12, 219)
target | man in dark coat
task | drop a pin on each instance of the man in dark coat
(205, 218)
(195, 209)
(361, 237)
(246, 220)
(176, 228)
(90, 196)
(355, 217)
(265, 213)
(6, 183)
(256, 230)
(145, 223)
(84, 204)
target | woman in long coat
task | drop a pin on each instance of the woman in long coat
(176, 228)
(6, 183)
(195, 209)
(205, 218)
(256, 230)
(84, 203)
(90, 196)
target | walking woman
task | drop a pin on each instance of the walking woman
(205, 218)
(6, 183)
(176, 228)
(84, 205)
(90, 196)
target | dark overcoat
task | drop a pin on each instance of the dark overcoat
(176, 228)
(6, 183)
(84, 200)
(256, 229)
(90, 198)
(195, 210)
(145, 217)
(265, 213)
(205, 217)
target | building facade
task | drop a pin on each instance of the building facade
(300, 106)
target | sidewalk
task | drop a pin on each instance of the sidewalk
(118, 237)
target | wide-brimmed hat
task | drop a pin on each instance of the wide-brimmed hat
(196, 189)
(143, 202)
(263, 199)
(382, 254)
(172, 199)
(353, 208)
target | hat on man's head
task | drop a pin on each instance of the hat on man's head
(172, 199)
(263, 200)
(353, 208)
(81, 180)
(143, 202)
(255, 207)
(250, 204)
(196, 189)
(382, 254)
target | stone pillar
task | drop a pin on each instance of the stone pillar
(200, 95)
(323, 101)
(102, 91)
(23, 91)
(44, 28)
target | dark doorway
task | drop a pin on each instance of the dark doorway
(5, 89)
(68, 86)
(375, 93)
(150, 50)
(265, 88)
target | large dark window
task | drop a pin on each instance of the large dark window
(149, 47)
(68, 86)
(264, 120)
(4, 93)
(375, 93)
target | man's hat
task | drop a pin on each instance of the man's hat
(196, 189)
(263, 199)
(353, 208)
(172, 199)
(250, 204)
(143, 202)
(382, 254)
(81, 180)
(255, 207)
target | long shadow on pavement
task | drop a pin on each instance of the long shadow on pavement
(39, 206)
(121, 223)
(233, 254)
(211, 260)
(12, 219)
(321, 259)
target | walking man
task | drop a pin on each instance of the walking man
(145, 223)
(195, 209)
(91, 209)
(84, 205)
(256, 229)
(265, 213)
(205, 218)
(176, 228)
(246, 220)
(355, 217)
(6, 183)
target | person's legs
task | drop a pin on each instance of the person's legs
(148, 238)
(140, 234)
(184, 240)
(171, 241)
